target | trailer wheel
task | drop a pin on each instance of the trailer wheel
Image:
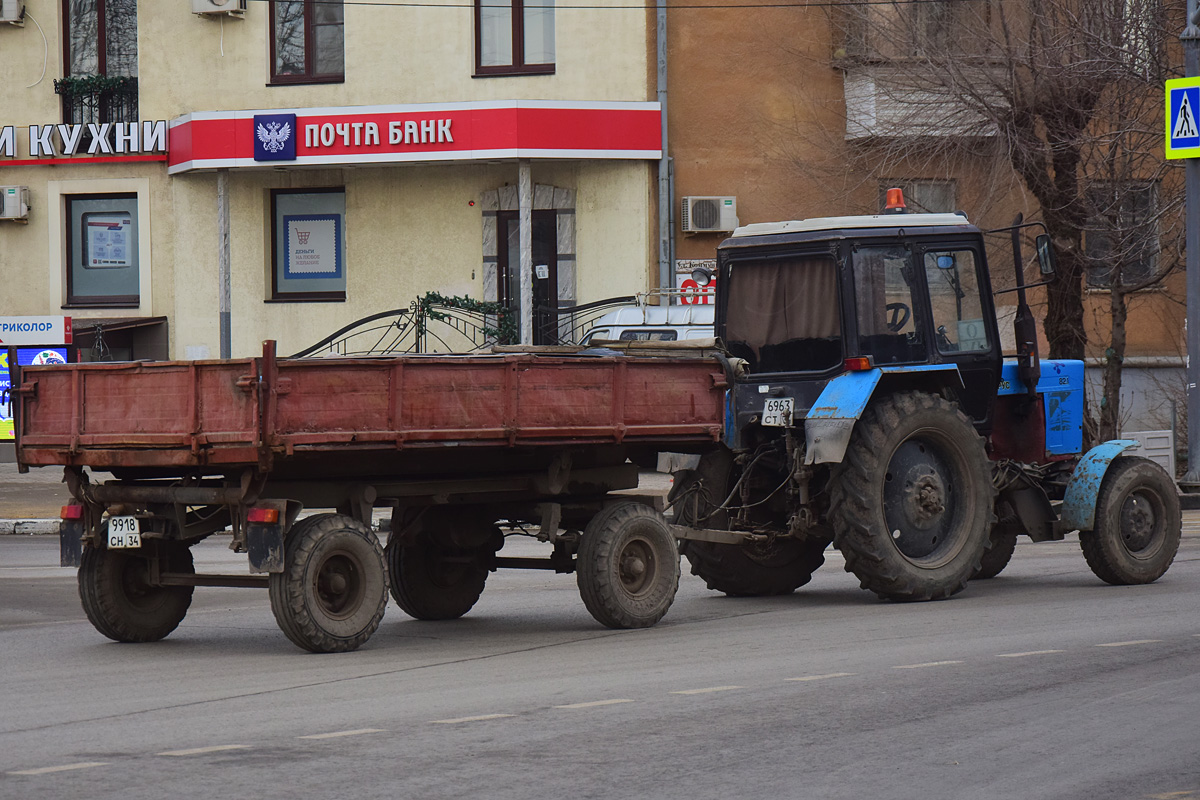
(627, 568)
(1001, 544)
(430, 583)
(332, 593)
(118, 599)
(1138, 524)
(911, 503)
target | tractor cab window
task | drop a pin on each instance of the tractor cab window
(783, 314)
(886, 305)
(954, 301)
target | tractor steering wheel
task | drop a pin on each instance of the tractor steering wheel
(898, 316)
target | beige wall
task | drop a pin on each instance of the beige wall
(409, 228)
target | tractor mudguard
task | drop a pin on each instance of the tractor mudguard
(1079, 504)
(828, 425)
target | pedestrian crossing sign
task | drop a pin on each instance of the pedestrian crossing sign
(1183, 118)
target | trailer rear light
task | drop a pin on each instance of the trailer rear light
(267, 515)
(71, 512)
(857, 364)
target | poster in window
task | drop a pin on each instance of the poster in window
(106, 241)
(313, 249)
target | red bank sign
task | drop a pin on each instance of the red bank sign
(409, 133)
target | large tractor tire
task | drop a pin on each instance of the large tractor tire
(1002, 543)
(432, 583)
(118, 599)
(333, 590)
(911, 503)
(739, 570)
(627, 567)
(1138, 524)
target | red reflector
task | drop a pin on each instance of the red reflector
(857, 364)
(263, 515)
(71, 512)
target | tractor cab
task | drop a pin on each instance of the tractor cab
(904, 296)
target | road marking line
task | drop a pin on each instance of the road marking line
(61, 768)
(595, 704)
(709, 690)
(480, 718)
(197, 751)
(926, 664)
(1127, 644)
(339, 734)
(1030, 653)
(823, 677)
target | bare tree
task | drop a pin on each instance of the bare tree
(1070, 94)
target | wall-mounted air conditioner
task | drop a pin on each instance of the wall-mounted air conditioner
(701, 214)
(232, 8)
(12, 12)
(14, 202)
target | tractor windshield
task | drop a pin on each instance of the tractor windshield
(783, 314)
(884, 288)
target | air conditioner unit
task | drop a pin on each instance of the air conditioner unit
(702, 214)
(232, 8)
(14, 202)
(12, 12)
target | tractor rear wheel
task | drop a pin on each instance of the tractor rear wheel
(1001, 545)
(1138, 524)
(739, 570)
(911, 503)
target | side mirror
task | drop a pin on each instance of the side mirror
(945, 261)
(1045, 254)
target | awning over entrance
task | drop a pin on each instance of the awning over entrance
(434, 132)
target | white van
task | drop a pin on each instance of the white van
(653, 323)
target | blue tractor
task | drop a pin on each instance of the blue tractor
(870, 406)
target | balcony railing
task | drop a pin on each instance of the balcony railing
(98, 98)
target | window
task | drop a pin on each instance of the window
(887, 305)
(100, 61)
(1121, 235)
(102, 247)
(782, 314)
(309, 244)
(954, 301)
(514, 37)
(307, 44)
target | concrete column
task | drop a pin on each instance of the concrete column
(525, 206)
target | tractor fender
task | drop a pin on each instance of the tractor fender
(1083, 490)
(828, 425)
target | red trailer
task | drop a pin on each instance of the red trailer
(463, 449)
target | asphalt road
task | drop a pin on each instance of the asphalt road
(1042, 683)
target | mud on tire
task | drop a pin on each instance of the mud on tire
(119, 601)
(911, 503)
(627, 567)
(1138, 524)
(333, 591)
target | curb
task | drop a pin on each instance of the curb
(29, 527)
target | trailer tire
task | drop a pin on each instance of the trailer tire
(1138, 524)
(1002, 543)
(627, 567)
(428, 587)
(119, 601)
(911, 502)
(332, 592)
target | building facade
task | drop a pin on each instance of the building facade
(342, 159)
